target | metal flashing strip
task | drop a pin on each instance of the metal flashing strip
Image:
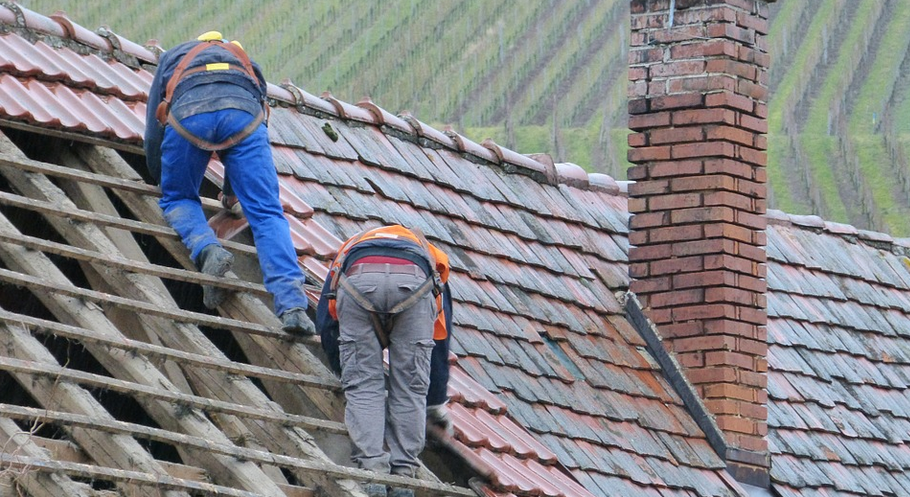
(673, 372)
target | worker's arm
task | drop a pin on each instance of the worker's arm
(437, 396)
(263, 86)
(439, 360)
(154, 132)
(327, 326)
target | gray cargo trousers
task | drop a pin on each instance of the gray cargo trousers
(374, 423)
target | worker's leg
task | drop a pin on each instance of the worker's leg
(411, 343)
(251, 172)
(182, 169)
(362, 374)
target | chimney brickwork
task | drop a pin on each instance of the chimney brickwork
(698, 109)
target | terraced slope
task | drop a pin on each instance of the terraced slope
(550, 76)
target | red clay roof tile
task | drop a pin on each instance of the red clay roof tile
(533, 258)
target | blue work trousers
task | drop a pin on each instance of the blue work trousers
(249, 167)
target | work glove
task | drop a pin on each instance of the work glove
(439, 416)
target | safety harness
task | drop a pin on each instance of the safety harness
(384, 320)
(164, 116)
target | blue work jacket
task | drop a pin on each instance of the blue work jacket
(206, 91)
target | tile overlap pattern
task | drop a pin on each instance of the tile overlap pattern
(552, 389)
(839, 359)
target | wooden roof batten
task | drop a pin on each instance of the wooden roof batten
(288, 370)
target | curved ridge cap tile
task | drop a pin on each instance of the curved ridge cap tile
(623, 186)
(25, 18)
(155, 48)
(466, 145)
(127, 46)
(382, 116)
(7, 16)
(807, 220)
(302, 98)
(875, 236)
(80, 33)
(604, 183)
(280, 93)
(777, 217)
(572, 174)
(902, 242)
(426, 131)
(841, 228)
(544, 165)
(348, 111)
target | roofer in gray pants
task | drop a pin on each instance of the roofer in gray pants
(386, 289)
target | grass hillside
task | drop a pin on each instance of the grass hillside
(550, 76)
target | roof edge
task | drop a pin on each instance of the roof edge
(103, 41)
(884, 241)
(537, 166)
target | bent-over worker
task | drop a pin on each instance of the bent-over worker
(207, 96)
(388, 288)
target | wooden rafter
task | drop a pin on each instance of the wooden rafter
(300, 384)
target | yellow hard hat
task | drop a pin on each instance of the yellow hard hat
(210, 36)
(235, 42)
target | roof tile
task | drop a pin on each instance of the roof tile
(523, 249)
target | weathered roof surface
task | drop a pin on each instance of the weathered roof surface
(536, 262)
(839, 359)
(114, 377)
(552, 390)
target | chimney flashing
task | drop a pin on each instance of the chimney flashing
(741, 463)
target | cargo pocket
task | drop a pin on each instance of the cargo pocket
(351, 372)
(420, 379)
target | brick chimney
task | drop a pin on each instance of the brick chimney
(698, 90)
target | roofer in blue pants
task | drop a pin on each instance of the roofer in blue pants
(207, 96)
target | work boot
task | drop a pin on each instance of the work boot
(402, 492)
(214, 260)
(296, 322)
(232, 204)
(375, 490)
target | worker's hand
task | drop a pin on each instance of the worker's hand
(439, 416)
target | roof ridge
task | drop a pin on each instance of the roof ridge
(103, 41)
(538, 166)
(881, 240)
